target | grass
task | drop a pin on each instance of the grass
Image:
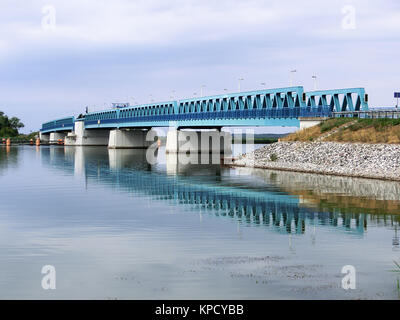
(397, 264)
(361, 130)
(304, 135)
(333, 123)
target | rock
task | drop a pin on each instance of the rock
(380, 161)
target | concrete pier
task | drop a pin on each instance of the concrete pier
(179, 141)
(127, 139)
(44, 137)
(55, 136)
(85, 137)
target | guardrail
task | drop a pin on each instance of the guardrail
(297, 112)
(371, 114)
(60, 124)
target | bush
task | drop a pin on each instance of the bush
(7, 132)
(9, 126)
(273, 157)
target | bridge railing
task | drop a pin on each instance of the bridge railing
(60, 124)
(371, 114)
(297, 112)
(291, 102)
(350, 99)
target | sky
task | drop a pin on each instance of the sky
(56, 57)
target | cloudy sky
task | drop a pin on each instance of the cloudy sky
(57, 56)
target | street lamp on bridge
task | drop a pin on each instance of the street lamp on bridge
(201, 90)
(292, 72)
(315, 82)
(239, 80)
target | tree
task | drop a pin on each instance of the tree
(9, 127)
(15, 123)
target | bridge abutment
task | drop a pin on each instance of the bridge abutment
(127, 139)
(307, 122)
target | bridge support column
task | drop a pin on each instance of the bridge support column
(55, 136)
(199, 142)
(44, 137)
(84, 137)
(127, 139)
(70, 139)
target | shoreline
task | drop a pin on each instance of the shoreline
(352, 160)
(312, 172)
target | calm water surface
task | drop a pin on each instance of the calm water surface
(115, 227)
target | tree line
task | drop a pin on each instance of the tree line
(9, 126)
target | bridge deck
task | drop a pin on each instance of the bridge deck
(271, 107)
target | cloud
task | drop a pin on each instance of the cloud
(101, 51)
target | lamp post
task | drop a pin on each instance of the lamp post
(315, 82)
(239, 80)
(201, 90)
(292, 72)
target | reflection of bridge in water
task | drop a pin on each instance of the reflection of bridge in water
(214, 192)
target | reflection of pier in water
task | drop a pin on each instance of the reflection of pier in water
(127, 170)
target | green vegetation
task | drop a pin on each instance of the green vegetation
(273, 157)
(397, 264)
(9, 126)
(333, 123)
(351, 130)
(24, 138)
(378, 124)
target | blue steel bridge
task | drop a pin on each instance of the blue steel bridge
(270, 107)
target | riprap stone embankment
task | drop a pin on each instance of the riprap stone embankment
(379, 161)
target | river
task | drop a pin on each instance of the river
(115, 227)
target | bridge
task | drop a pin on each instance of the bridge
(125, 126)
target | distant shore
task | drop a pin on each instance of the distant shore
(373, 161)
